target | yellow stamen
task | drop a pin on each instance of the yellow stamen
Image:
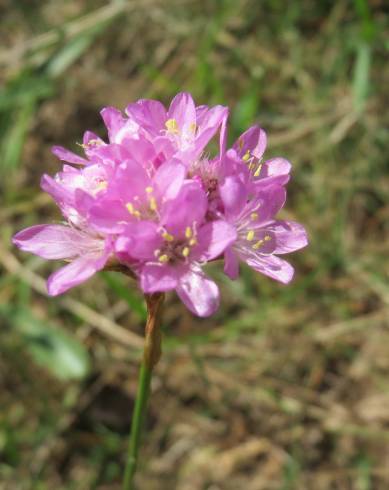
(267, 238)
(171, 126)
(193, 127)
(254, 216)
(185, 251)
(258, 244)
(258, 171)
(153, 204)
(241, 143)
(167, 236)
(246, 156)
(149, 190)
(163, 258)
(192, 242)
(132, 210)
(250, 235)
(188, 232)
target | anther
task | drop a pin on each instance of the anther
(149, 190)
(258, 171)
(188, 232)
(246, 156)
(163, 259)
(185, 251)
(167, 236)
(153, 204)
(258, 244)
(250, 235)
(171, 126)
(254, 216)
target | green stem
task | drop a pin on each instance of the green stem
(137, 424)
(151, 355)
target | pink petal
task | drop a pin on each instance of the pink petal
(109, 216)
(231, 264)
(253, 140)
(182, 109)
(150, 114)
(169, 178)
(140, 240)
(113, 120)
(270, 201)
(213, 238)
(73, 274)
(54, 241)
(272, 266)
(68, 156)
(158, 277)
(187, 209)
(289, 236)
(199, 293)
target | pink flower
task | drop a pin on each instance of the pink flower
(150, 200)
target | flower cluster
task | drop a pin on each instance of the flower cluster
(152, 200)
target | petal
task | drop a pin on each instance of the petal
(267, 204)
(73, 274)
(55, 241)
(149, 114)
(289, 236)
(158, 277)
(272, 266)
(231, 263)
(253, 140)
(109, 216)
(113, 120)
(199, 293)
(169, 178)
(213, 238)
(68, 156)
(187, 209)
(233, 184)
(140, 240)
(273, 172)
(209, 125)
(57, 191)
(182, 109)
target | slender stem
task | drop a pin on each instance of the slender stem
(151, 355)
(136, 425)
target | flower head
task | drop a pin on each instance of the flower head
(149, 199)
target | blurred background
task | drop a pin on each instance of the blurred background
(286, 388)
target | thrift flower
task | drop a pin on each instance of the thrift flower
(149, 199)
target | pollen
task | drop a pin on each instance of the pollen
(167, 236)
(258, 244)
(250, 235)
(163, 259)
(153, 204)
(246, 156)
(171, 126)
(258, 171)
(193, 127)
(185, 251)
(267, 238)
(149, 190)
(188, 232)
(192, 242)
(253, 216)
(132, 210)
